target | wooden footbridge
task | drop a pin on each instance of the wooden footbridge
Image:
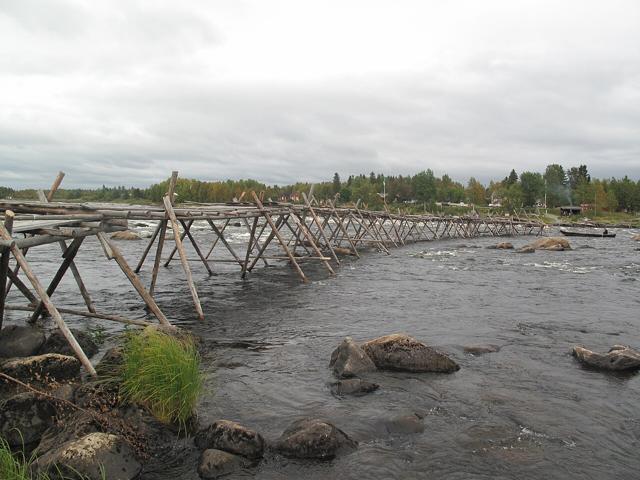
(294, 233)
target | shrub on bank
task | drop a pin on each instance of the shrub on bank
(162, 373)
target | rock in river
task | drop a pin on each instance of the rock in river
(25, 417)
(216, 463)
(618, 358)
(314, 439)
(20, 341)
(481, 349)
(126, 235)
(352, 386)
(42, 369)
(91, 455)
(404, 353)
(550, 243)
(57, 343)
(231, 437)
(502, 246)
(349, 360)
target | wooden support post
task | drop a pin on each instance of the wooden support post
(274, 229)
(341, 227)
(13, 277)
(320, 229)
(187, 231)
(63, 247)
(148, 247)
(68, 256)
(17, 254)
(158, 258)
(4, 263)
(249, 247)
(183, 256)
(217, 231)
(55, 186)
(309, 238)
(133, 278)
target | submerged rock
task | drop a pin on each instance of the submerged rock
(502, 246)
(481, 349)
(353, 386)
(404, 425)
(216, 463)
(401, 352)
(619, 357)
(25, 417)
(41, 369)
(20, 341)
(526, 249)
(314, 439)
(57, 343)
(95, 456)
(342, 251)
(231, 437)
(125, 235)
(349, 360)
(636, 238)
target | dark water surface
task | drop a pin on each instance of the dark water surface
(527, 411)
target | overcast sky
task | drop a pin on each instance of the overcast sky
(123, 92)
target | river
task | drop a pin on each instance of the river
(527, 411)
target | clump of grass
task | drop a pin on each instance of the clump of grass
(16, 466)
(162, 373)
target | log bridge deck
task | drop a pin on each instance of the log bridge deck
(295, 233)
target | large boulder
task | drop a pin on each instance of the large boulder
(231, 437)
(352, 386)
(111, 362)
(216, 463)
(94, 456)
(25, 417)
(41, 369)
(550, 243)
(349, 360)
(314, 439)
(20, 341)
(618, 358)
(57, 343)
(126, 235)
(636, 238)
(404, 353)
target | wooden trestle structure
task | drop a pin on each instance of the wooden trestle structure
(294, 233)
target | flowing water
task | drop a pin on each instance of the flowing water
(527, 411)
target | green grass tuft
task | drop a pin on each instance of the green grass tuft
(162, 373)
(16, 466)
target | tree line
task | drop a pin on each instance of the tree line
(555, 187)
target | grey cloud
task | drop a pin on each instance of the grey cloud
(151, 102)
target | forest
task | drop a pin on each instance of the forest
(555, 187)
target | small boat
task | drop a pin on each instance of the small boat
(569, 233)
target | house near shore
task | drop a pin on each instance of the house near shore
(570, 210)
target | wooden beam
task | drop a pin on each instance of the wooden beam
(135, 281)
(183, 256)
